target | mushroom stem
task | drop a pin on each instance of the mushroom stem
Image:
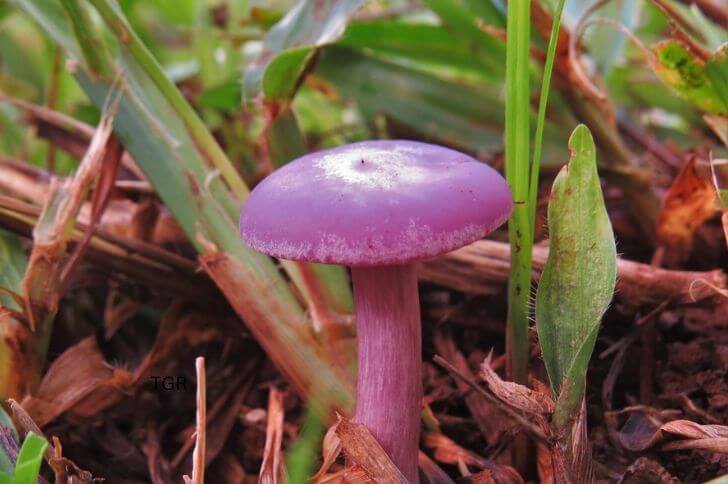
(389, 386)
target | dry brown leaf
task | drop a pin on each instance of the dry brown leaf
(351, 475)
(178, 330)
(691, 430)
(79, 380)
(644, 430)
(484, 413)
(363, 449)
(272, 470)
(516, 396)
(447, 451)
(688, 203)
(330, 450)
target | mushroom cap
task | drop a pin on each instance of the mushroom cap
(375, 203)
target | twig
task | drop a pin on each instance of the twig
(198, 455)
(477, 268)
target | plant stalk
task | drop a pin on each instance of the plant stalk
(517, 174)
(389, 388)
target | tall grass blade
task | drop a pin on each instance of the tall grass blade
(548, 70)
(518, 134)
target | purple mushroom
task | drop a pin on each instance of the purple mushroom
(377, 207)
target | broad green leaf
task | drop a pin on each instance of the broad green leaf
(432, 45)
(289, 46)
(448, 111)
(716, 69)
(465, 20)
(30, 457)
(683, 71)
(578, 279)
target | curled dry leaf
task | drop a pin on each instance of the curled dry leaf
(364, 450)
(351, 475)
(331, 448)
(688, 203)
(644, 430)
(516, 396)
(447, 451)
(79, 380)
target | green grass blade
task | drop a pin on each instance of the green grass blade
(301, 458)
(30, 457)
(518, 135)
(541, 119)
(93, 49)
(202, 137)
(578, 280)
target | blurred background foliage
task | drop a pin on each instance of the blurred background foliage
(443, 74)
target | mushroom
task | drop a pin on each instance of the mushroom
(378, 207)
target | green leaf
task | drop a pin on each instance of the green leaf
(465, 19)
(27, 467)
(448, 111)
(224, 97)
(290, 45)
(578, 280)
(429, 44)
(717, 71)
(13, 261)
(683, 71)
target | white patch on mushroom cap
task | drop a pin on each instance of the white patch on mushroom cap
(374, 168)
